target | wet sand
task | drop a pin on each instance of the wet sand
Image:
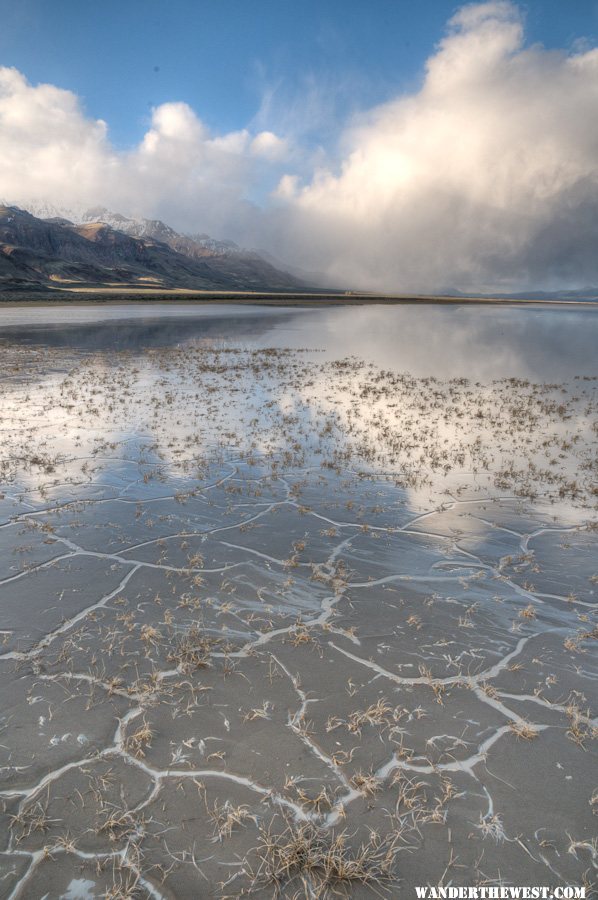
(280, 623)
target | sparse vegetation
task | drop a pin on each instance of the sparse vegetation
(319, 863)
(283, 596)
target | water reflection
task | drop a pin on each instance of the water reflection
(143, 333)
(297, 409)
(482, 343)
(475, 342)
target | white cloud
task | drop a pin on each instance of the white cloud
(50, 150)
(45, 140)
(269, 145)
(484, 178)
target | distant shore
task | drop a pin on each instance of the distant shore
(261, 298)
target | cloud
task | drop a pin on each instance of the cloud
(51, 150)
(484, 178)
(269, 145)
(45, 139)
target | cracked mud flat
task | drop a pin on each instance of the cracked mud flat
(254, 598)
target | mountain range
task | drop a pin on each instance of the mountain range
(44, 247)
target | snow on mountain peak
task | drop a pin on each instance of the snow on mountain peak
(150, 229)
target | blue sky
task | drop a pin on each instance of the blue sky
(223, 57)
(413, 145)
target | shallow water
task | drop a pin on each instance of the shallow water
(265, 567)
(479, 342)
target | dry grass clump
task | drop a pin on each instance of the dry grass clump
(125, 886)
(260, 712)
(528, 613)
(27, 821)
(580, 728)
(412, 793)
(322, 863)
(118, 824)
(322, 802)
(138, 742)
(418, 803)
(523, 730)
(225, 817)
(150, 636)
(491, 827)
(300, 634)
(379, 713)
(367, 783)
(192, 650)
(437, 686)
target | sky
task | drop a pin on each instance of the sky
(392, 145)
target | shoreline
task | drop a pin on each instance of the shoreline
(265, 298)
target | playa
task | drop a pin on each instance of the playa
(280, 620)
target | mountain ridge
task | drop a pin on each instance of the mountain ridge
(56, 251)
(134, 226)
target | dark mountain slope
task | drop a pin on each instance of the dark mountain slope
(52, 253)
